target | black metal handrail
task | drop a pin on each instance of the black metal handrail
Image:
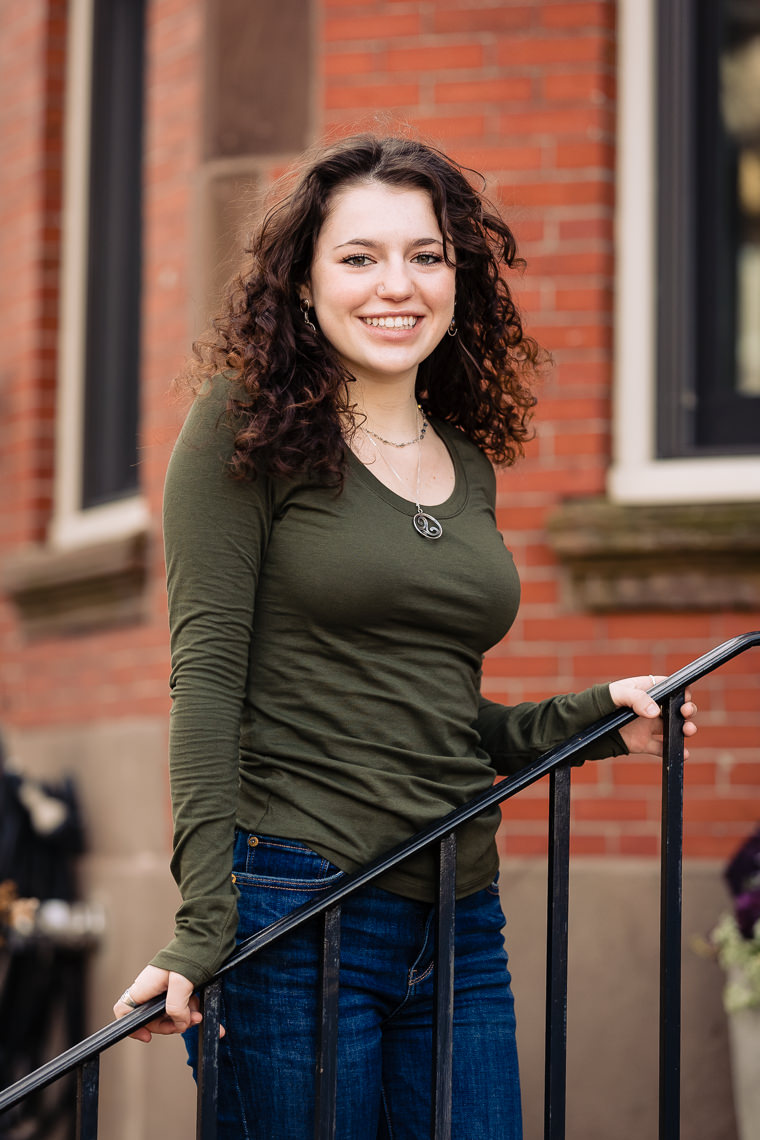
(84, 1057)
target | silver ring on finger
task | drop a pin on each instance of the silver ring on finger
(127, 998)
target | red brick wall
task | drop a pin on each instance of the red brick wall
(31, 95)
(524, 92)
(118, 672)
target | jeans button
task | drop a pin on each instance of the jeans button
(252, 841)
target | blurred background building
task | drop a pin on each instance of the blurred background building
(622, 140)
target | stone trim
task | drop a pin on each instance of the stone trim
(69, 591)
(659, 557)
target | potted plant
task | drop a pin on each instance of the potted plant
(736, 945)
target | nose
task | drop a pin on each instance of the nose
(397, 282)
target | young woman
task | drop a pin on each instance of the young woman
(335, 577)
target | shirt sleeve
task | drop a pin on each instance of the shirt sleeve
(215, 535)
(513, 736)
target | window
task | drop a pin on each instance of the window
(708, 157)
(109, 469)
(96, 456)
(687, 398)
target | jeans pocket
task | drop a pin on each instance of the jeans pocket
(278, 863)
(274, 876)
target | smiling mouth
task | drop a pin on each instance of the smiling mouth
(391, 322)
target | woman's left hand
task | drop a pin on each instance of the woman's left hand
(644, 735)
(182, 1006)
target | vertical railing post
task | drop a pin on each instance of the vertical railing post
(443, 1007)
(88, 1088)
(327, 1045)
(556, 954)
(84, 1056)
(670, 917)
(208, 1062)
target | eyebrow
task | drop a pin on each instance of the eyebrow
(369, 244)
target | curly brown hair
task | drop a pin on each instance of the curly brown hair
(295, 387)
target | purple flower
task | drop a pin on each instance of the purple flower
(747, 911)
(743, 877)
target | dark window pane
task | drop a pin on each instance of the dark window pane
(728, 211)
(740, 114)
(113, 272)
(709, 227)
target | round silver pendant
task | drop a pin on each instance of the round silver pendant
(426, 525)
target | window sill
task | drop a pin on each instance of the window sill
(79, 589)
(659, 557)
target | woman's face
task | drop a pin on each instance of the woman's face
(382, 292)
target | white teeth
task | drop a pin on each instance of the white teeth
(391, 322)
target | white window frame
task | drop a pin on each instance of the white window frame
(637, 475)
(71, 524)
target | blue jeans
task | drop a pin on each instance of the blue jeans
(269, 1009)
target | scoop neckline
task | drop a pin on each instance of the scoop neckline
(444, 510)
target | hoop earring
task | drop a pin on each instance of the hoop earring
(305, 310)
(452, 330)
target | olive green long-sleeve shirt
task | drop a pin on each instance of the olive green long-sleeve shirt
(326, 664)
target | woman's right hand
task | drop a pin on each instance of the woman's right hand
(182, 1006)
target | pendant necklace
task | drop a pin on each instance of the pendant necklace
(424, 523)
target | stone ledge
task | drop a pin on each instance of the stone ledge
(71, 591)
(661, 557)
